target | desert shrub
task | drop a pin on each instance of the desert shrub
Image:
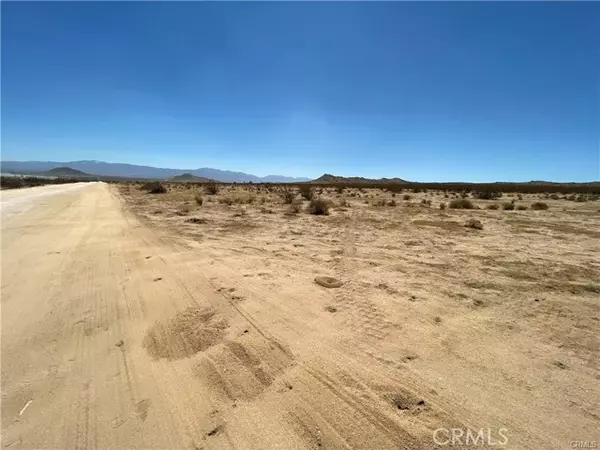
(406, 197)
(154, 187)
(343, 203)
(339, 189)
(379, 202)
(553, 197)
(474, 223)
(392, 203)
(199, 199)
(319, 206)
(462, 203)
(287, 194)
(211, 188)
(393, 194)
(446, 196)
(294, 208)
(487, 195)
(493, 206)
(521, 208)
(508, 206)
(426, 202)
(306, 191)
(227, 200)
(581, 198)
(442, 206)
(519, 196)
(183, 210)
(416, 190)
(539, 206)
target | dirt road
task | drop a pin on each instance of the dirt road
(115, 335)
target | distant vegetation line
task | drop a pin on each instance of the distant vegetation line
(23, 182)
(525, 188)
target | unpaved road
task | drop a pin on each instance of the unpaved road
(117, 336)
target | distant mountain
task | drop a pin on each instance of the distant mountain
(101, 168)
(65, 172)
(189, 178)
(328, 178)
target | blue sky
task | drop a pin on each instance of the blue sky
(423, 91)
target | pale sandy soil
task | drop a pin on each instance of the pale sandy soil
(126, 326)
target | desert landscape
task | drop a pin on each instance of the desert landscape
(214, 315)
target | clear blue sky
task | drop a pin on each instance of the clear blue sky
(424, 91)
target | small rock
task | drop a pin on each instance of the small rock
(120, 343)
(559, 364)
(328, 282)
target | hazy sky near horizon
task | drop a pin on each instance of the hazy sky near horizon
(425, 91)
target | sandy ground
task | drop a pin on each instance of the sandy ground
(126, 325)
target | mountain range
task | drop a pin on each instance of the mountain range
(101, 168)
(328, 178)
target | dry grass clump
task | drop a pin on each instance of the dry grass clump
(474, 223)
(462, 203)
(521, 208)
(487, 195)
(239, 199)
(539, 206)
(319, 206)
(293, 209)
(154, 187)
(406, 197)
(287, 194)
(211, 188)
(442, 206)
(306, 191)
(199, 199)
(493, 206)
(508, 206)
